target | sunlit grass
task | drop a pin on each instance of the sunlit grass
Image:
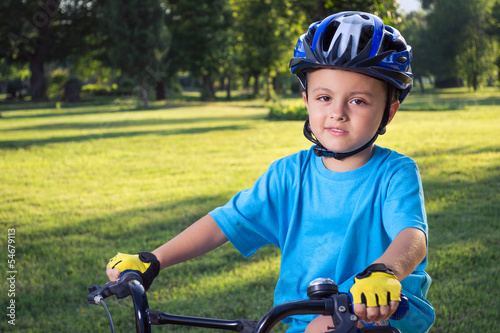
(81, 183)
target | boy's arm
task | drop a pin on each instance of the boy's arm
(404, 254)
(198, 239)
(201, 237)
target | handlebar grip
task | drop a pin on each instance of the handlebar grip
(403, 308)
(133, 273)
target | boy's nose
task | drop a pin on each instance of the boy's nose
(337, 112)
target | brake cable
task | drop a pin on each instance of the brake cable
(100, 300)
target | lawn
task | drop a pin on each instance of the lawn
(81, 182)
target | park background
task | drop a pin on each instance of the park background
(122, 122)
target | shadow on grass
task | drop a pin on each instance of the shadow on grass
(72, 109)
(7, 105)
(132, 123)
(23, 144)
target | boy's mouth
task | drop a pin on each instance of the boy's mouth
(336, 131)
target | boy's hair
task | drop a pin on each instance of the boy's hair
(358, 42)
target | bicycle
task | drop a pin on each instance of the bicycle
(324, 299)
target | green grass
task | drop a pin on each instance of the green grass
(80, 183)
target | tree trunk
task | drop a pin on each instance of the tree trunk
(222, 83)
(37, 80)
(228, 88)
(421, 83)
(144, 95)
(321, 9)
(269, 88)
(277, 86)
(475, 80)
(256, 86)
(160, 91)
(207, 90)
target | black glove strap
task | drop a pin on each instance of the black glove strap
(377, 267)
(152, 272)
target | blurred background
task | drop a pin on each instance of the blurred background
(59, 49)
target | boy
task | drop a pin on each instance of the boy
(344, 209)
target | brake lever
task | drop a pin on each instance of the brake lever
(120, 288)
(343, 319)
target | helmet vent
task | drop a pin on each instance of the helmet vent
(388, 43)
(329, 34)
(365, 37)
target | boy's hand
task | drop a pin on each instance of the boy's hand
(145, 263)
(376, 293)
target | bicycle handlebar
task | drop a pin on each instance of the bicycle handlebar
(336, 305)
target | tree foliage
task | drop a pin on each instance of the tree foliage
(133, 28)
(149, 42)
(458, 41)
(37, 32)
(494, 32)
(414, 31)
(200, 37)
(477, 59)
(263, 31)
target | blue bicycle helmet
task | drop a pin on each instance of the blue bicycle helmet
(359, 42)
(355, 41)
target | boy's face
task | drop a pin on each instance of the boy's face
(345, 108)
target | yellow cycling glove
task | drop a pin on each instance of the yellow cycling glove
(376, 285)
(144, 263)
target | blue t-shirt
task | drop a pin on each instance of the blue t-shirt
(331, 224)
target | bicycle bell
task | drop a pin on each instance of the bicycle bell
(321, 287)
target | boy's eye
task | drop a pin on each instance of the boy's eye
(358, 101)
(324, 98)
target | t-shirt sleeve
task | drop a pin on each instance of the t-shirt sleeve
(404, 203)
(250, 219)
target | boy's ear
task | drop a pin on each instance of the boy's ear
(304, 97)
(392, 111)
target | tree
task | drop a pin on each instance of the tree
(266, 32)
(414, 31)
(318, 9)
(477, 57)
(165, 67)
(445, 34)
(459, 43)
(26, 36)
(257, 38)
(199, 38)
(37, 32)
(494, 32)
(133, 32)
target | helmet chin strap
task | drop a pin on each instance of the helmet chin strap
(320, 150)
